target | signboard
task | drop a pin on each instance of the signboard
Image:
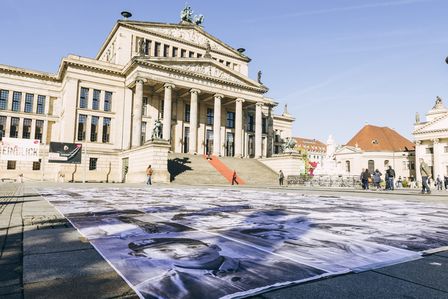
(17, 149)
(65, 153)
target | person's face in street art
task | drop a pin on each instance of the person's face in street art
(185, 253)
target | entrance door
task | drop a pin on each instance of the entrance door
(251, 146)
(230, 144)
(186, 139)
(209, 142)
(124, 169)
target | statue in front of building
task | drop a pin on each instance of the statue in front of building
(157, 131)
(289, 145)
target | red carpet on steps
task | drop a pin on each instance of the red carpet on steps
(224, 170)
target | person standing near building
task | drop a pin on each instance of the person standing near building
(426, 174)
(149, 175)
(234, 181)
(390, 176)
(281, 177)
(377, 179)
(439, 183)
(445, 179)
(365, 179)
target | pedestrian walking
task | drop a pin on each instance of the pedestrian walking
(281, 177)
(426, 174)
(445, 179)
(439, 183)
(377, 179)
(390, 176)
(234, 180)
(365, 179)
(149, 175)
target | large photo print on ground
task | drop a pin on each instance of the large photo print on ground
(214, 243)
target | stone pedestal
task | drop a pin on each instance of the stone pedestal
(154, 153)
(290, 163)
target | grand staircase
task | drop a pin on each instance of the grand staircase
(188, 169)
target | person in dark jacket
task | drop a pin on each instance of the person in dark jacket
(390, 176)
(365, 179)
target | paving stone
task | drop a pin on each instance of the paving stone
(366, 285)
(63, 265)
(104, 285)
(43, 241)
(10, 274)
(13, 289)
(443, 254)
(431, 271)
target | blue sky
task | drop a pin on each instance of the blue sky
(338, 64)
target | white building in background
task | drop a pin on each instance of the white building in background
(197, 85)
(374, 148)
(431, 139)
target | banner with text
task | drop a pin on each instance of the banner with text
(17, 149)
(65, 153)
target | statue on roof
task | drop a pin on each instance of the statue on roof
(438, 103)
(142, 47)
(198, 19)
(259, 77)
(186, 13)
(417, 118)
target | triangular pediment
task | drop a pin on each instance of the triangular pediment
(437, 125)
(206, 68)
(348, 150)
(190, 34)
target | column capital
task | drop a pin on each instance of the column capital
(218, 95)
(436, 140)
(169, 85)
(259, 104)
(194, 90)
(240, 100)
(140, 80)
(418, 142)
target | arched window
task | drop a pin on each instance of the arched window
(347, 166)
(371, 166)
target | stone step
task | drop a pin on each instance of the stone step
(252, 171)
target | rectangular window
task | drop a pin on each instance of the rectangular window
(39, 130)
(175, 51)
(36, 165)
(250, 123)
(199, 55)
(11, 165)
(26, 132)
(92, 163)
(94, 129)
(183, 52)
(96, 99)
(264, 127)
(2, 126)
(82, 119)
(84, 97)
(4, 99)
(228, 63)
(209, 116)
(143, 133)
(29, 102)
(107, 100)
(157, 49)
(187, 113)
(429, 150)
(145, 106)
(106, 129)
(230, 120)
(161, 109)
(40, 104)
(14, 128)
(191, 54)
(16, 98)
(446, 149)
(166, 51)
(148, 47)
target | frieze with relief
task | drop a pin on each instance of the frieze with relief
(207, 70)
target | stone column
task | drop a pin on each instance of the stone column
(167, 111)
(436, 161)
(238, 127)
(258, 130)
(217, 125)
(137, 113)
(194, 121)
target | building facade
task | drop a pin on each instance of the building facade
(194, 84)
(431, 140)
(374, 148)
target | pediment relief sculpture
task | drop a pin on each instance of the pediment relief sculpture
(207, 70)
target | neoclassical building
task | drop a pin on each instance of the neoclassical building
(197, 86)
(431, 140)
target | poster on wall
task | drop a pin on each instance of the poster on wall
(17, 149)
(61, 152)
